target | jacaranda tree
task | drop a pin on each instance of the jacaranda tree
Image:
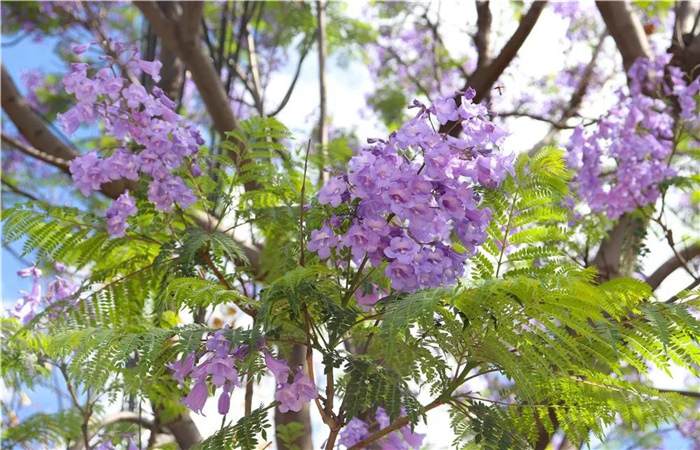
(184, 247)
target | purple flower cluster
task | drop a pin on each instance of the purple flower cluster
(216, 366)
(123, 207)
(402, 439)
(291, 396)
(26, 308)
(368, 298)
(621, 162)
(106, 442)
(404, 54)
(411, 193)
(151, 137)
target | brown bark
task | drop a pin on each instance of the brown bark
(482, 38)
(674, 263)
(295, 360)
(323, 119)
(46, 145)
(628, 32)
(484, 77)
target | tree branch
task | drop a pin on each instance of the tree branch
(482, 38)
(47, 146)
(323, 106)
(60, 163)
(628, 32)
(484, 77)
(182, 38)
(673, 263)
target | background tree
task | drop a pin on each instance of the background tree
(240, 235)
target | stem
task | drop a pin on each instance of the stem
(398, 423)
(301, 206)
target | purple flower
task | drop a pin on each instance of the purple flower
(445, 110)
(332, 191)
(224, 403)
(80, 49)
(402, 248)
(360, 240)
(304, 388)
(403, 277)
(197, 397)
(322, 241)
(123, 207)
(367, 298)
(278, 367)
(60, 289)
(288, 398)
(76, 116)
(222, 371)
(182, 369)
(152, 68)
(31, 271)
(355, 431)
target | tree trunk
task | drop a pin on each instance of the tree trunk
(303, 442)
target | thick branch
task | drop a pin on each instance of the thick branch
(628, 32)
(482, 38)
(29, 124)
(670, 266)
(484, 77)
(47, 146)
(60, 163)
(182, 38)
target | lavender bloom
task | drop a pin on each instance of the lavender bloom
(415, 190)
(445, 110)
(402, 248)
(288, 398)
(182, 369)
(224, 403)
(332, 191)
(197, 397)
(31, 271)
(278, 367)
(123, 207)
(355, 431)
(403, 277)
(322, 241)
(304, 388)
(130, 114)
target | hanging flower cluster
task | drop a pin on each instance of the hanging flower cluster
(402, 439)
(151, 137)
(620, 163)
(31, 303)
(410, 193)
(216, 367)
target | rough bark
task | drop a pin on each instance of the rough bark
(628, 32)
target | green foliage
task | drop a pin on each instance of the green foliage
(44, 429)
(241, 436)
(288, 433)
